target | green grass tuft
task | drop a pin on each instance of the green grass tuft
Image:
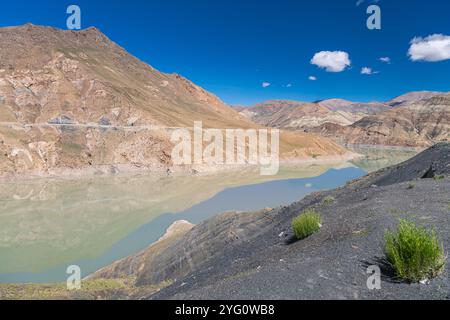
(414, 252)
(306, 224)
(412, 185)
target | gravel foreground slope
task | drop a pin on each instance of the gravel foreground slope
(332, 264)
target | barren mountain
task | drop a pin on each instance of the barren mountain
(418, 124)
(416, 119)
(359, 108)
(77, 100)
(301, 115)
(412, 97)
(48, 74)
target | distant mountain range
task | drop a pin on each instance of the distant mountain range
(415, 119)
(70, 100)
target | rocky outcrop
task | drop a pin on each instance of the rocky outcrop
(185, 250)
(432, 163)
(144, 263)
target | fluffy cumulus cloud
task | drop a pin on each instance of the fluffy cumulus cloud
(432, 48)
(266, 84)
(385, 59)
(331, 61)
(367, 71)
(312, 78)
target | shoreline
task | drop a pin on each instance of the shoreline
(114, 170)
(386, 147)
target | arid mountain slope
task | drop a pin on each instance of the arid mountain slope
(415, 119)
(301, 115)
(418, 124)
(76, 100)
(359, 108)
(413, 97)
(84, 77)
(293, 115)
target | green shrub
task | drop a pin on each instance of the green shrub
(412, 185)
(414, 252)
(439, 178)
(307, 223)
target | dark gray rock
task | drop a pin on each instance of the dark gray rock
(433, 162)
(204, 242)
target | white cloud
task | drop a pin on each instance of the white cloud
(331, 61)
(432, 48)
(368, 71)
(289, 85)
(312, 78)
(385, 60)
(266, 84)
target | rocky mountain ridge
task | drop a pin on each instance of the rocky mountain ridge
(416, 119)
(416, 124)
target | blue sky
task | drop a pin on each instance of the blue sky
(232, 47)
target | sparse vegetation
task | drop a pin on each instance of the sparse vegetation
(307, 223)
(328, 200)
(439, 178)
(414, 252)
(91, 290)
(411, 185)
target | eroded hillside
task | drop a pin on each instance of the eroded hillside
(76, 100)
